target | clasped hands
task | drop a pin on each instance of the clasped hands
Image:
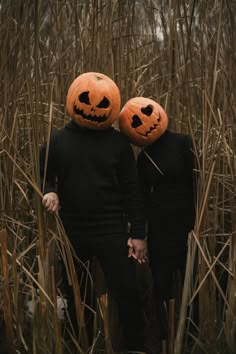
(137, 248)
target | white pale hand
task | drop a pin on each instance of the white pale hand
(51, 202)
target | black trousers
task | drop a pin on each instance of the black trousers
(120, 276)
(167, 263)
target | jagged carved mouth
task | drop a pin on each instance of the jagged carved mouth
(149, 131)
(90, 117)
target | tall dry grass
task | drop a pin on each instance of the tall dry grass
(180, 53)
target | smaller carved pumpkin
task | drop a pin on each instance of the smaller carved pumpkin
(142, 120)
(93, 100)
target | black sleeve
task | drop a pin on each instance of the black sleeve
(133, 202)
(47, 160)
(189, 154)
(145, 184)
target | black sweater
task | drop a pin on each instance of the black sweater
(94, 174)
(169, 194)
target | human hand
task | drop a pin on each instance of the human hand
(51, 202)
(137, 249)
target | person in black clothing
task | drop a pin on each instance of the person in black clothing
(91, 174)
(166, 169)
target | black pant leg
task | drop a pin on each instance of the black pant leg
(86, 288)
(120, 275)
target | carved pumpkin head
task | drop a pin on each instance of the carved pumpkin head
(142, 120)
(93, 100)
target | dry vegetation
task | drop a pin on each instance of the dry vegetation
(180, 53)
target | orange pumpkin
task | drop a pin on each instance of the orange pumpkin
(142, 120)
(93, 100)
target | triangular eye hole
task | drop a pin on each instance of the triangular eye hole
(147, 110)
(136, 121)
(84, 97)
(104, 103)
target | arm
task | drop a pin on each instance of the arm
(133, 203)
(144, 182)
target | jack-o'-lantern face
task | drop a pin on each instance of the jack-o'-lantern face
(93, 101)
(142, 120)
